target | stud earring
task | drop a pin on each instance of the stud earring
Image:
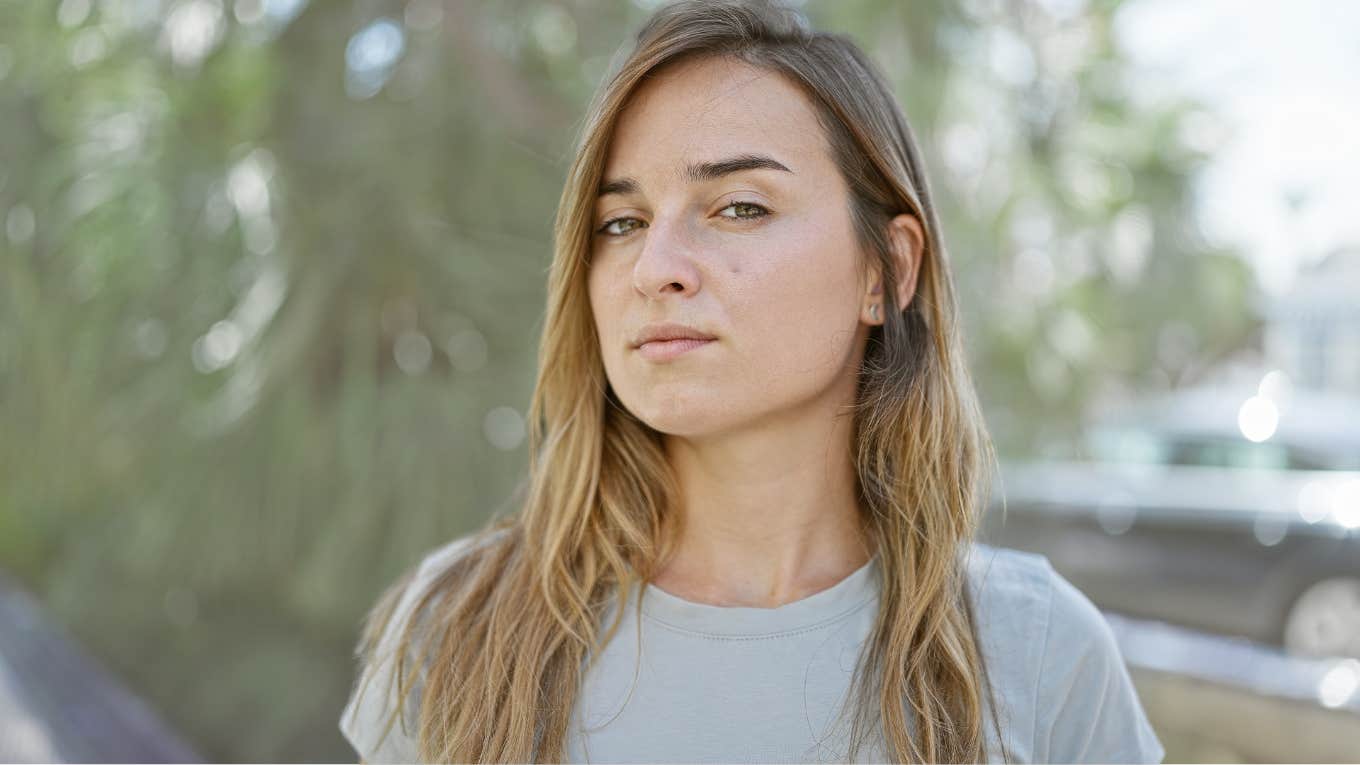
(873, 311)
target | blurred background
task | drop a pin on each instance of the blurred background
(273, 275)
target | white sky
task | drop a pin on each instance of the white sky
(1285, 77)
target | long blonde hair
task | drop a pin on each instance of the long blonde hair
(506, 630)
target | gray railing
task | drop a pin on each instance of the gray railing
(58, 705)
(1221, 699)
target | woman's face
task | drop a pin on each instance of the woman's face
(722, 210)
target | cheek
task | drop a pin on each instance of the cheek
(601, 302)
(803, 292)
(607, 306)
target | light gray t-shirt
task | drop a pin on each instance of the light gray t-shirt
(691, 682)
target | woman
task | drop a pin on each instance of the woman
(756, 447)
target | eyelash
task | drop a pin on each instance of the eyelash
(763, 212)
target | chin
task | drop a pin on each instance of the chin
(683, 412)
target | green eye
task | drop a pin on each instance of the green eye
(608, 228)
(752, 211)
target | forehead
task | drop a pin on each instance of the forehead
(711, 107)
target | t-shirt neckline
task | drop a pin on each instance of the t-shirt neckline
(814, 610)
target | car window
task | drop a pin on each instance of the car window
(1231, 454)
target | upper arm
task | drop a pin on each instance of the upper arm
(367, 721)
(1087, 707)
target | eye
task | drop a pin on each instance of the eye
(752, 211)
(609, 229)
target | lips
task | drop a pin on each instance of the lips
(666, 332)
(666, 340)
(665, 350)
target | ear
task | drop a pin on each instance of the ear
(907, 240)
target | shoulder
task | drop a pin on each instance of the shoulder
(409, 589)
(1010, 591)
(1002, 576)
(1020, 592)
(374, 695)
(439, 559)
(1055, 661)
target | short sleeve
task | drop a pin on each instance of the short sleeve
(1087, 707)
(365, 719)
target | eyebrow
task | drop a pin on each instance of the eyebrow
(702, 171)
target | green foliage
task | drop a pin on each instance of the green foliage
(260, 323)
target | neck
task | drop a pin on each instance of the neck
(770, 515)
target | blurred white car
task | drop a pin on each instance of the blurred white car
(1224, 510)
(1222, 426)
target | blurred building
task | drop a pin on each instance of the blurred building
(1291, 402)
(1313, 332)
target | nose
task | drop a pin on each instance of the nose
(666, 263)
